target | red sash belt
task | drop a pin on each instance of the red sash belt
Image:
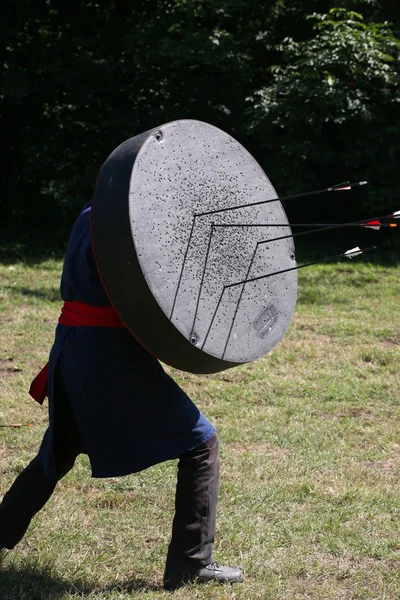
(76, 314)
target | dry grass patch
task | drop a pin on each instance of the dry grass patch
(267, 450)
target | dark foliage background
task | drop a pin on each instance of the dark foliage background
(311, 88)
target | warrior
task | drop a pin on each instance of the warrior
(159, 260)
(102, 384)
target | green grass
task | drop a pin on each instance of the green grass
(310, 444)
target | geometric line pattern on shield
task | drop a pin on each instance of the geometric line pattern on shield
(201, 282)
(223, 210)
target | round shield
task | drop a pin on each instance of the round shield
(182, 232)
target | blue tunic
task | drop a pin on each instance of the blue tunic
(129, 412)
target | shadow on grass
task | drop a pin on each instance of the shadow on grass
(49, 294)
(40, 583)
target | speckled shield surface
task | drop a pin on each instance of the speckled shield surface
(180, 220)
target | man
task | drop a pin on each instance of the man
(109, 398)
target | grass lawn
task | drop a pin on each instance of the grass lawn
(310, 445)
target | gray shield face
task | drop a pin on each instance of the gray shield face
(179, 222)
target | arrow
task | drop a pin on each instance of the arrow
(373, 224)
(335, 188)
(353, 252)
(345, 186)
(202, 280)
(348, 254)
(370, 223)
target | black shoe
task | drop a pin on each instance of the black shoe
(174, 578)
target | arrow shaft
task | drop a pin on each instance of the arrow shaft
(323, 227)
(297, 267)
(202, 279)
(281, 199)
(302, 225)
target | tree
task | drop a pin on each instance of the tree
(331, 109)
(313, 95)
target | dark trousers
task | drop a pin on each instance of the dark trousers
(195, 502)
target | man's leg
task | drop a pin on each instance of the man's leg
(193, 530)
(32, 489)
(28, 494)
